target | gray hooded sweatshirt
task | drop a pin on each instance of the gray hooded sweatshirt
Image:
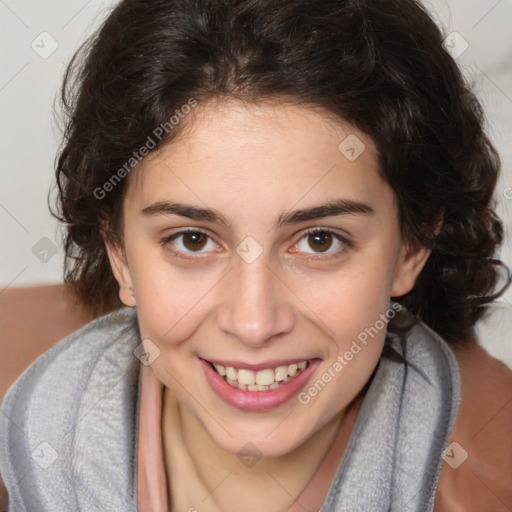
(68, 426)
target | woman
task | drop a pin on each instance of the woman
(292, 201)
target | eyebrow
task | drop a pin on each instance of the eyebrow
(328, 209)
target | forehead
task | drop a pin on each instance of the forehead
(273, 153)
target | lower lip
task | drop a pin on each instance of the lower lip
(257, 400)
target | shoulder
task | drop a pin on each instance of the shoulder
(477, 466)
(51, 394)
(66, 361)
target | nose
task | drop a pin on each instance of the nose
(256, 305)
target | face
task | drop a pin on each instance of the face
(261, 239)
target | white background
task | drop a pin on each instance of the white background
(30, 137)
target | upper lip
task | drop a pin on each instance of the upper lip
(258, 366)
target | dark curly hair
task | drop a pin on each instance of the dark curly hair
(378, 64)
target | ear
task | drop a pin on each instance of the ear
(121, 271)
(411, 260)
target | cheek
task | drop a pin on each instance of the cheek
(170, 304)
(351, 301)
(352, 310)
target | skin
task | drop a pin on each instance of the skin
(299, 298)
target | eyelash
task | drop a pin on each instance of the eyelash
(346, 244)
(323, 256)
(180, 254)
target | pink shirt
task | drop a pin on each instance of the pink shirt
(151, 475)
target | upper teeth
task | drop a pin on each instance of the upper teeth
(262, 377)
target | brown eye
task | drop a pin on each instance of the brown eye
(320, 241)
(194, 241)
(191, 242)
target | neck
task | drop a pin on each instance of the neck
(215, 479)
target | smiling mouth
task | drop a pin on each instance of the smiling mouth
(262, 380)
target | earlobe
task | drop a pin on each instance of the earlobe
(121, 272)
(411, 261)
